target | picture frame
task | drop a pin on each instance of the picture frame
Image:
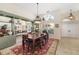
(56, 25)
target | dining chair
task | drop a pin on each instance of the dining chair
(46, 36)
(42, 39)
(25, 41)
(38, 43)
(30, 44)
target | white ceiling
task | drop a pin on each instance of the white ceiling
(28, 10)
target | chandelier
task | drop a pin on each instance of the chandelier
(37, 17)
(71, 16)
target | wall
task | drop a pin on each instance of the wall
(57, 30)
(70, 30)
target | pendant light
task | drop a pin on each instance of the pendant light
(37, 17)
(71, 16)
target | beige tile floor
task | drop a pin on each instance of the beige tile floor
(68, 46)
(53, 48)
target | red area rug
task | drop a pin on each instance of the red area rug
(19, 51)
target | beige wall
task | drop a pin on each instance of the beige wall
(57, 31)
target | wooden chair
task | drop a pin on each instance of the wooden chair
(24, 41)
(38, 42)
(42, 39)
(46, 36)
(30, 44)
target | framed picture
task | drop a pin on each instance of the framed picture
(56, 25)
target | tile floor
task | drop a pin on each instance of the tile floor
(65, 46)
(68, 46)
(53, 48)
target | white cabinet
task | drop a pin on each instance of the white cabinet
(70, 30)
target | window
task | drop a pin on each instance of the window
(49, 23)
(5, 26)
(48, 17)
(20, 26)
(29, 26)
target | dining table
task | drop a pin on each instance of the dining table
(34, 36)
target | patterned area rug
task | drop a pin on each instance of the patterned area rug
(19, 51)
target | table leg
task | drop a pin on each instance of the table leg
(33, 47)
(23, 45)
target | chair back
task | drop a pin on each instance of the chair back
(24, 37)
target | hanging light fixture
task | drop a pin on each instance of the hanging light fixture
(37, 17)
(71, 16)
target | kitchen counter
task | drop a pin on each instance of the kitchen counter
(7, 41)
